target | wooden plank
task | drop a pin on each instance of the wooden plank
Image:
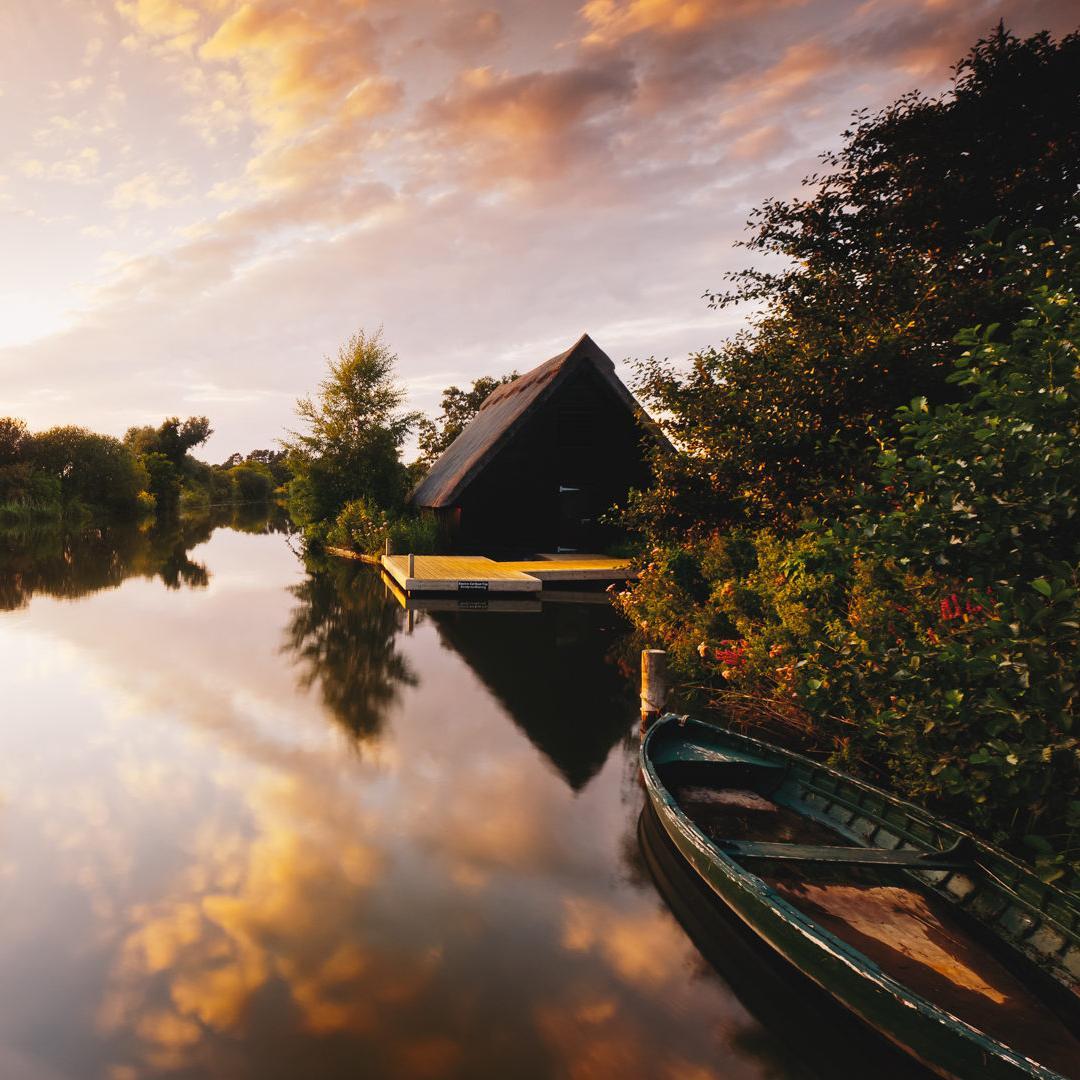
(359, 556)
(847, 856)
(456, 573)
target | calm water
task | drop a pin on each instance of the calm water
(252, 824)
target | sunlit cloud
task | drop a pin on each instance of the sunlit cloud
(285, 172)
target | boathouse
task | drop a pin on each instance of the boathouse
(545, 456)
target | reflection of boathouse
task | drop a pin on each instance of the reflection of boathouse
(570, 698)
(543, 459)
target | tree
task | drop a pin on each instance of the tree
(354, 430)
(881, 273)
(95, 470)
(14, 439)
(172, 438)
(458, 408)
(164, 452)
(15, 471)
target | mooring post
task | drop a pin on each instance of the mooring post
(389, 547)
(653, 686)
(412, 565)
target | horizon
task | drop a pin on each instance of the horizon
(203, 199)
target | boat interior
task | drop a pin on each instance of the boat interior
(878, 891)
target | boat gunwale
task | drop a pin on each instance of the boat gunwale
(798, 921)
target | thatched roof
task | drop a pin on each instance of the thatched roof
(466, 457)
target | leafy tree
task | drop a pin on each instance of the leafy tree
(95, 470)
(14, 439)
(15, 470)
(458, 408)
(172, 438)
(164, 451)
(354, 430)
(274, 461)
(879, 274)
(251, 483)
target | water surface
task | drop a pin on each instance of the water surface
(255, 824)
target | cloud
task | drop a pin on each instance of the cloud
(151, 191)
(345, 171)
(467, 33)
(169, 19)
(533, 126)
(300, 64)
(611, 21)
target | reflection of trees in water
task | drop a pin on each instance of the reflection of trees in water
(343, 636)
(66, 565)
(53, 562)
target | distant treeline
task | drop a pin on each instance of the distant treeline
(72, 474)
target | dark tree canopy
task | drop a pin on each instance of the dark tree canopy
(173, 438)
(881, 272)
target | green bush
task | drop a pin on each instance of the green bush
(416, 533)
(362, 526)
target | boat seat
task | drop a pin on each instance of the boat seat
(960, 855)
(688, 751)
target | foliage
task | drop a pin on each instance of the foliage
(930, 634)
(91, 469)
(273, 462)
(878, 275)
(72, 473)
(164, 451)
(172, 438)
(250, 483)
(458, 408)
(355, 429)
(362, 526)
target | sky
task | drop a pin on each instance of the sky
(200, 200)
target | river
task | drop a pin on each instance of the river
(256, 822)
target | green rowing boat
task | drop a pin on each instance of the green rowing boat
(942, 943)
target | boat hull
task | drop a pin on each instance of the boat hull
(941, 1042)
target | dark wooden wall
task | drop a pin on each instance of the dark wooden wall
(584, 437)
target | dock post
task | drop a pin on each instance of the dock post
(389, 547)
(654, 688)
(412, 565)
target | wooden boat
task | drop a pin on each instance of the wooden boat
(940, 942)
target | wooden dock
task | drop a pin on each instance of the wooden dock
(477, 575)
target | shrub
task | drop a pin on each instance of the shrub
(362, 526)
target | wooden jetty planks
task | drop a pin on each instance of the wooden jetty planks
(463, 573)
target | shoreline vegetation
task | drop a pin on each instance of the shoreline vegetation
(867, 538)
(76, 478)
